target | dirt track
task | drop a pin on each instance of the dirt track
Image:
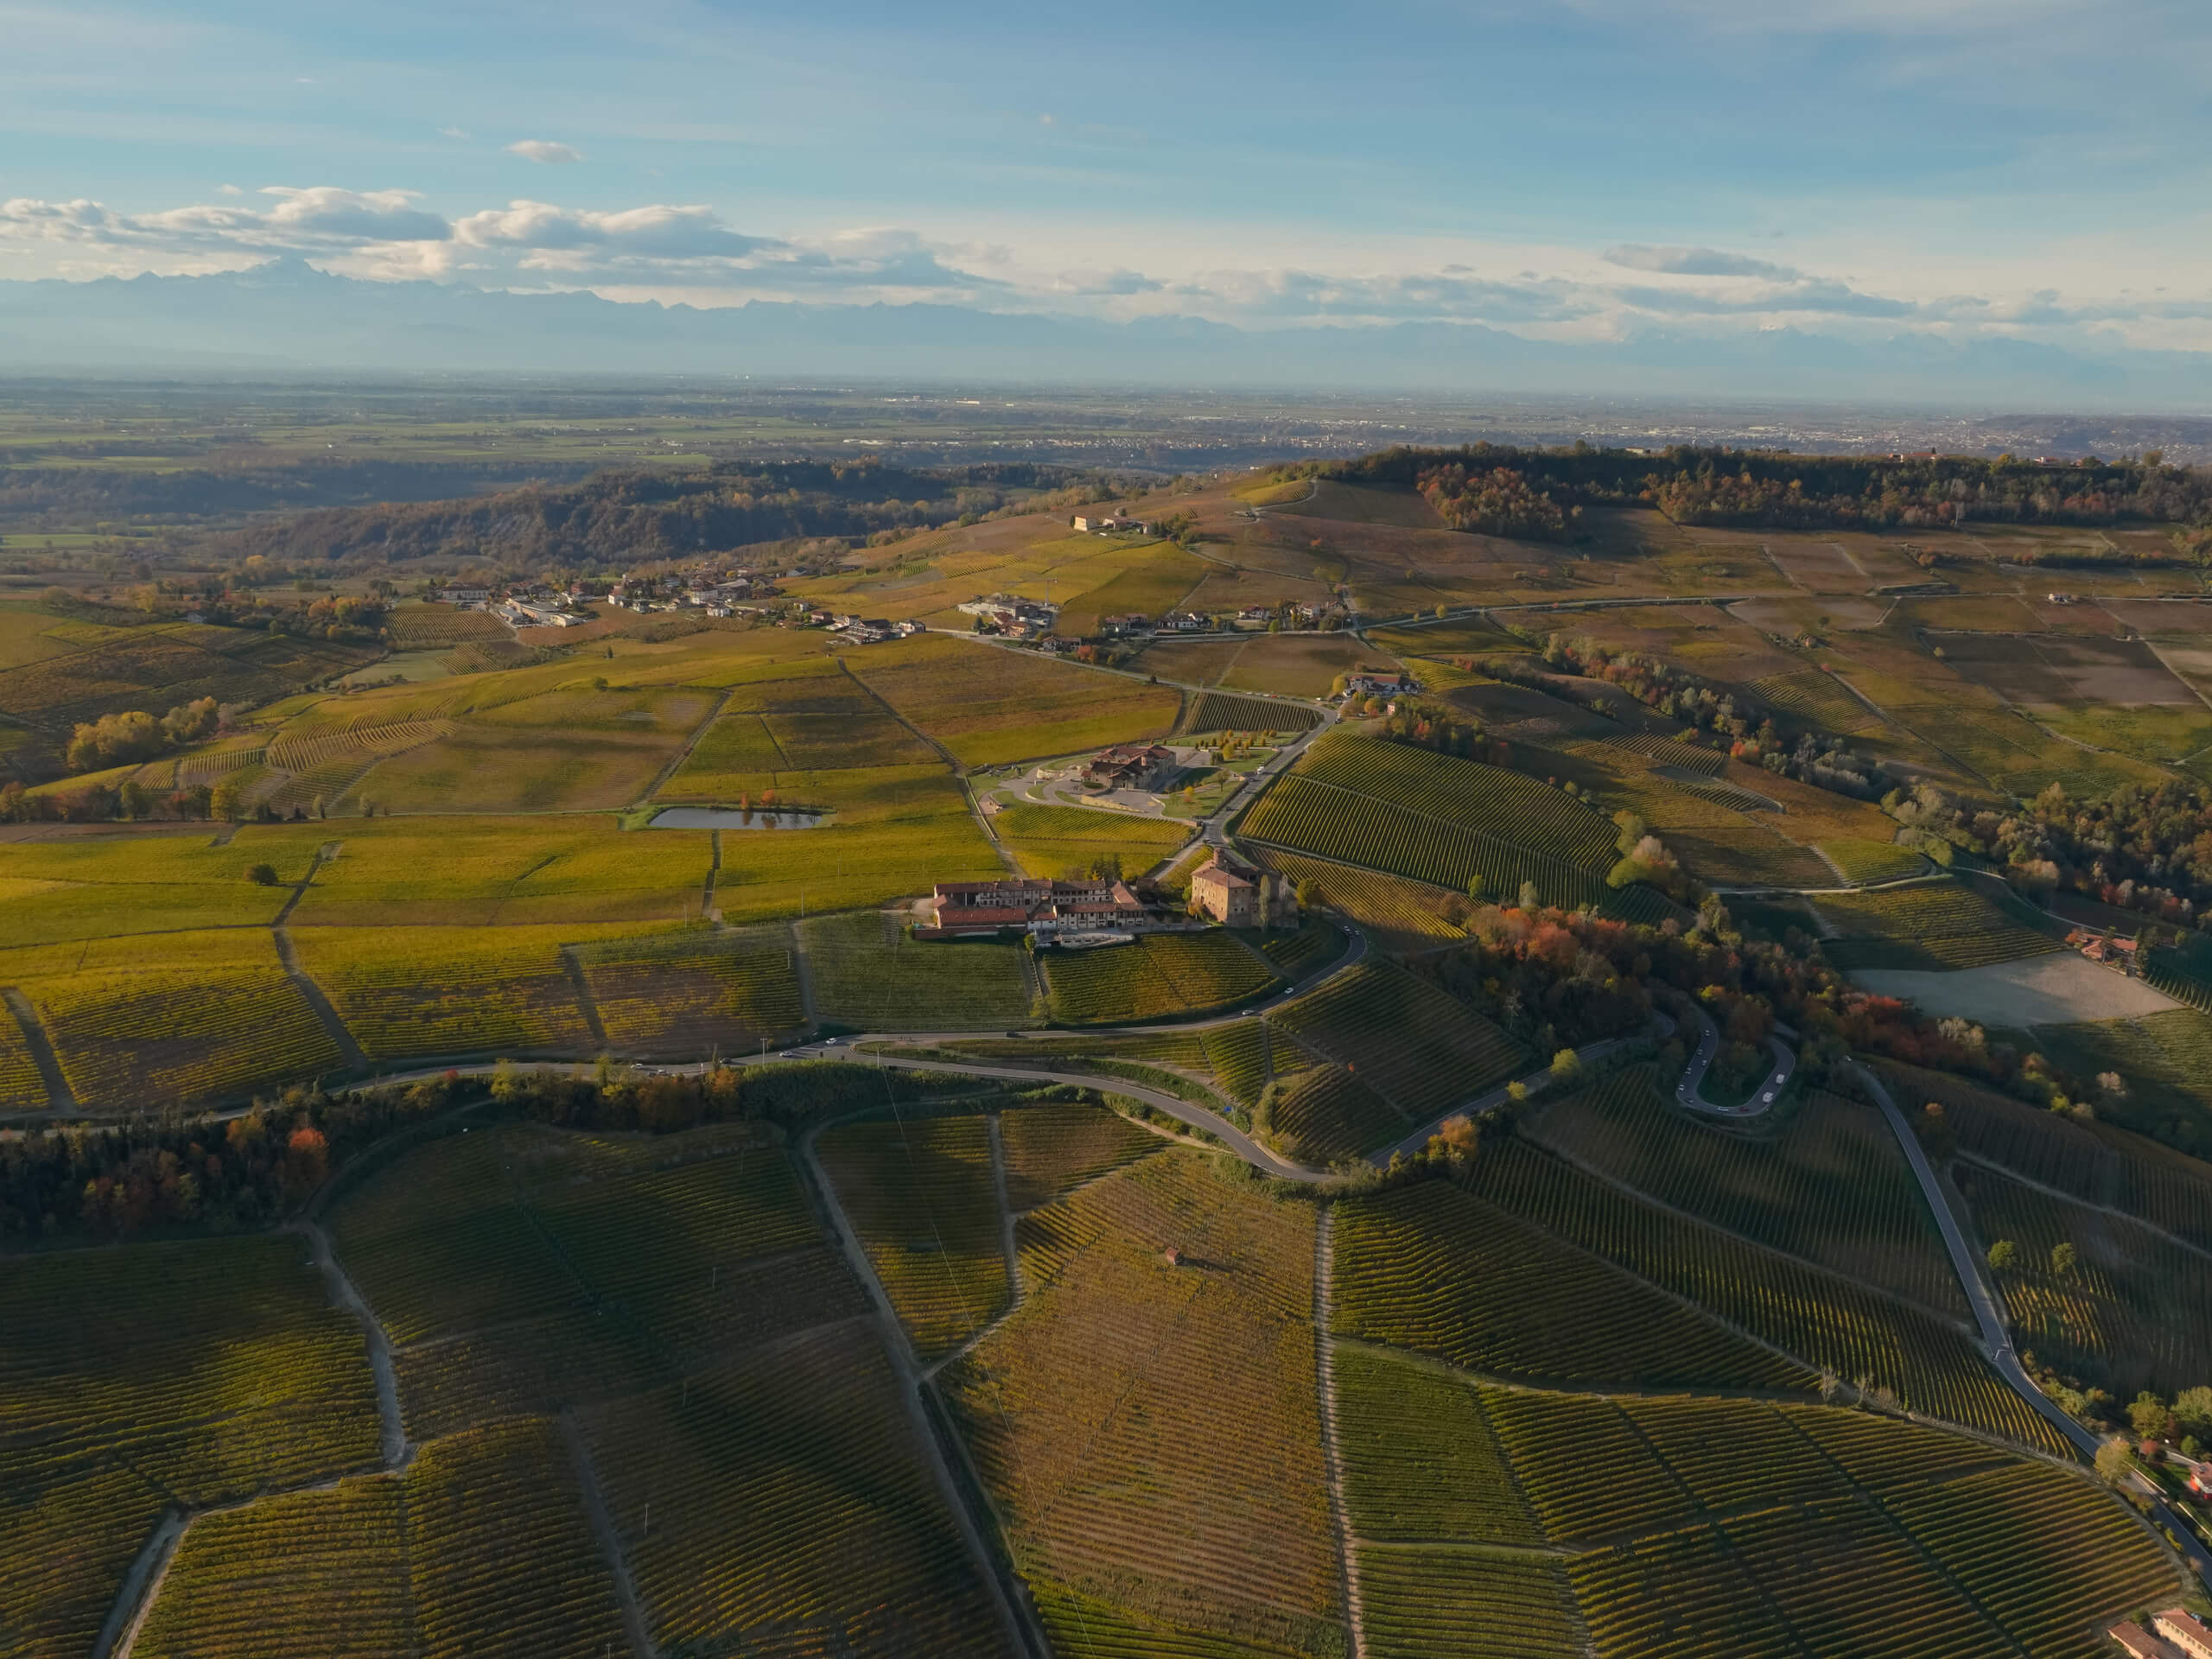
(2056, 989)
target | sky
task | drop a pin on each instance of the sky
(1569, 169)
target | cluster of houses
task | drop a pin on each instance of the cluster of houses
(1012, 615)
(871, 630)
(537, 605)
(2175, 1633)
(2114, 950)
(1102, 909)
(1380, 683)
(1108, 523)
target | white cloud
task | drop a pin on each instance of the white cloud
(544, 151)
(228, 190)
(453, 132)
(1694, 261)
(689, 253)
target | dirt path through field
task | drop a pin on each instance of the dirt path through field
(343, 1291)
(60, 1096)
(1012, 1609)
(141, 1586)
(316, 1001)
(610, 1541)
(1325, 1377)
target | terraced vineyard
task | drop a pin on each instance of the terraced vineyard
(1830, 1186)
(1466, 793)
(1814, 696)
(1662, 751)
(1052, 1146)
(21, 1088)
(196, 1372)
(791, 1511)
(1226, 711)
(520, 1269)
(1161, 976)
(1873, 861)
(1938, 925)
(2096, 1164)
(2136, 1306)
(1430, 1269)
(1409, 915)
(213, 1015)
(919, 1192)
(868, 974)
(2167, 1061)
(1326, 1114)
(1418, 1046)
(1095, 1413)
(682, 995)
(1298, 815)
(1823, 1319)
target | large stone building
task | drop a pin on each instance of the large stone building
(1236, 895)
(1034, 904)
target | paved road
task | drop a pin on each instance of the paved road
(1996, 1339)
(1690, 1091)
(1214, 829)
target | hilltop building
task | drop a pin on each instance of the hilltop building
(1035, 904)
(1236, 895)
(1131, 765)
(2185, 1631)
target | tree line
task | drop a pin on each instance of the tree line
(1715, 485)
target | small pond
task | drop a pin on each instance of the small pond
(731, 817)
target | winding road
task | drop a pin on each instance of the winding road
(1690, 1091)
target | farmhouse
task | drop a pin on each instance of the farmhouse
(1236, 895)
(1182, 622)
(2138, 1644)
(1370, 682)
(1099, 526)
(1130, 765)
(1010, 611)
(2186, 1631)
(1035, 904)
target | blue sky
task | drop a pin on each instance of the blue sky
(1585, 170)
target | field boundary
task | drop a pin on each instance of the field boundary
(601, 1521)
(60, 1098)
(1325, 1378)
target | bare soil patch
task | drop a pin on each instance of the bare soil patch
(2058, 988)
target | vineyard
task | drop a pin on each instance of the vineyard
(1326, 1115)
(1816, 697)
(1053, 1147)
(438, 627)
(1464, 793)
(781, 1504)
(312, 1571)
(21, 1088)
(1420, 1048)
(200, 1371)
(1298, 815)
(2135, 1305)
(499, 1550)
(1421, 1462)
(918, 1193)
(1824, 1319)
(418, 992)
(688, 993)
(1430, 1269)
(1050, 840)
(1872, 861)
(1426, 1604)
(1225, 711)
(1829, 1185)
(2095, 1163)
(1408, 915)
(1096, 1411)
(1160, 976)
(867, 973)
(1656, 749)
(1240, 1055)
(2167, 1060)
(211, 1016)
(521, 1269)
(1699, 1526)
(1315, 943)
(1939, 924)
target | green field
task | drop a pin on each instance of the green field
(867, 973)
(1420, 1048)
(1160, 976)
(1055, 840)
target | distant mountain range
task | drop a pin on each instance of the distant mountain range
(287, 315)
